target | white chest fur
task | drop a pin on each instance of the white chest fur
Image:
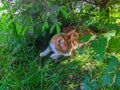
(55, 54)
(52, 47)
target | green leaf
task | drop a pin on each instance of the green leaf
(114, 60)
(110, 34)
(52, 28)
(55, 7)
(59, 23)
(58, 29)
(45, 26)
(87, 87)
(107, 79)
(114, 44)
(64, 12)
(109, 68)
(100, 47)
(80, 50)
(87, 79)
(117, 80)
(24, 31)
(94, 85)
(113, 65)
(85, 38)
(87, 7)
(10, 22)
(87, 83)
(19, 28)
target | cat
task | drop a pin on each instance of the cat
(62, 44)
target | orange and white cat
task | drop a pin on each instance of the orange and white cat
(62, 44)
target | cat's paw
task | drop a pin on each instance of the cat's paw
(54, 56)
(41, 55)
(68, 54)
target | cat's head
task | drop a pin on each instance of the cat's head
(70, 35)
(63, 46)
(67, 40)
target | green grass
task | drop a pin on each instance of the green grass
(25, 70)
(21, 67)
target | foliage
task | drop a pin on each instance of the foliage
(85, 38)
(100, 47)
(26, 28)
(90, 85)
(113, 46)
(112, 70)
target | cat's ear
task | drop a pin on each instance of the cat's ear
(71, 32)
(76, 35)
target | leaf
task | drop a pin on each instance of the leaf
(112, 66)
(59, 23)
(114, 60)
(87, 87)
(55, 8)
(100, 47)
(80, 50)
(107, 79)
(117, 80)
(58, 29)
(109, 68)
(24, 31)
(45, 26)
(89, 84)
(87, 79)
(87, 7)
(94, 85)
(114, 44)
(109, 34)
(19, 28)
(52, 28)
(85, 38)
(64, 12)
(10, 22)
